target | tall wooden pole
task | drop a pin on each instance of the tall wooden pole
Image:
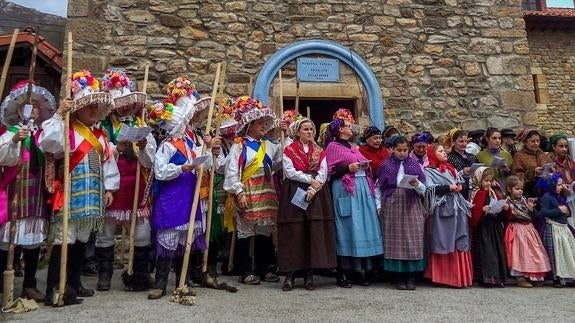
(8, 59)
(66, 206)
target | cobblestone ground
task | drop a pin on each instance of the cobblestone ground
(266, 303)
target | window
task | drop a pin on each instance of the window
(531, 4)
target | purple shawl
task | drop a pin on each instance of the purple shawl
(336, 153)
(388, 174)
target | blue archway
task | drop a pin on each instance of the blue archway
(327, 48)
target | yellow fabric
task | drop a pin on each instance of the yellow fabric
(88, 135)
(251, 169)
(229, 208)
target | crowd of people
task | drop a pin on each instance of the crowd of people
(487, 206)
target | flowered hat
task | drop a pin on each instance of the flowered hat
(290, 116)
(249, 109)
(171, 118)
(344, 114)
(127, 102)
(181, 93)
(227, 113)
(86, 91)
(17, 97)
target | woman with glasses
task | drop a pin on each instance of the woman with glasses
(358, 230)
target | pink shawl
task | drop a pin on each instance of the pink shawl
(337, 153)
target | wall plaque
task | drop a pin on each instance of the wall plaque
(317, 70)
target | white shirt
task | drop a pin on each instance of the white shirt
(164, 170)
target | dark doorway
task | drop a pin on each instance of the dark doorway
(321, 110)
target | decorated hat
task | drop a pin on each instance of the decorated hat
(249, 109)
(227, 113)
(127, 102)
(289, 117)
(181, 93)
(344, 114)
(86, 91)
(17, 97)
(169, 117)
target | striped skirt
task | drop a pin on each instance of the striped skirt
(262, 210)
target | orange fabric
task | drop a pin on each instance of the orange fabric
(453, 269)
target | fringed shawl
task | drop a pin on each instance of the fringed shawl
(302, 161)
(339, 154)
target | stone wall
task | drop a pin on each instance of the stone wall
(440, 63)
(553, 56)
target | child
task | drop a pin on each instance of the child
(403, 214)
(489, 248)
(526, 256)
(557, 238)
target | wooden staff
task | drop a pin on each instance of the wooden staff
(297, 97)
(251, 85)
(199, 171)
(213, 173)
(9, 273)
(66, 206)
(8, 59)
(134, 214)
(282, 139)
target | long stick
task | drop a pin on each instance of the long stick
(213, 174)
(8, 60)
(134, 215)
(297, 97)
(199, 172)
(66, 206)
(282, 139)
(251, 85)
(9, 277)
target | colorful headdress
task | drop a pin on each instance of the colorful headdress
(86, 91)
(249, 109)
(169, 117)
(17, 97)
(344, 114)
(419, 137)
(127, 102)
(181, 93)
(227, 113)
(448, 141)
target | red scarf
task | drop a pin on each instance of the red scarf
(303, 162)
(441, 165)
(377, 156)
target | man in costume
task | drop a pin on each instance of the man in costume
(175, 174)
(127, 111)
(248, 176)
(94, 177)
(22, 183)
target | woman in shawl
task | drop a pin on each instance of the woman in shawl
(461, 159)
(557, 237)
(529, 161)
(357, 225)
(494, 152)
(559, 147)
(373, 149)
(450, 259)
(306, 238)
(403, 214)
(419, 143)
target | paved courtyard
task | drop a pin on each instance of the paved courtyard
(328, 303)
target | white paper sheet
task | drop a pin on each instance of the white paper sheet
(496, 206)
(299, 199)
(547, 169)
(201, 160)
(133, 134)
(498, 162)
(404, 183)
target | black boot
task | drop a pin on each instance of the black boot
(75, 264)
(244, 261)
(140, 280)
(29, 287)
(410, 281)
(163, 266)
(105, 257)
(288, 282)
(342, 280)
(400, 281)
(308, 280)
(195, 268)
(53, 279)
(3, 265)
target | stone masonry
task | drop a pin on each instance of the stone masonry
(553, 56)
(440, 63)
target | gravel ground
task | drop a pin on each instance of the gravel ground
(378, 302)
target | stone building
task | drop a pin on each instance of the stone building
(415, 64)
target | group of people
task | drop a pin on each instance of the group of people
(287, 199)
